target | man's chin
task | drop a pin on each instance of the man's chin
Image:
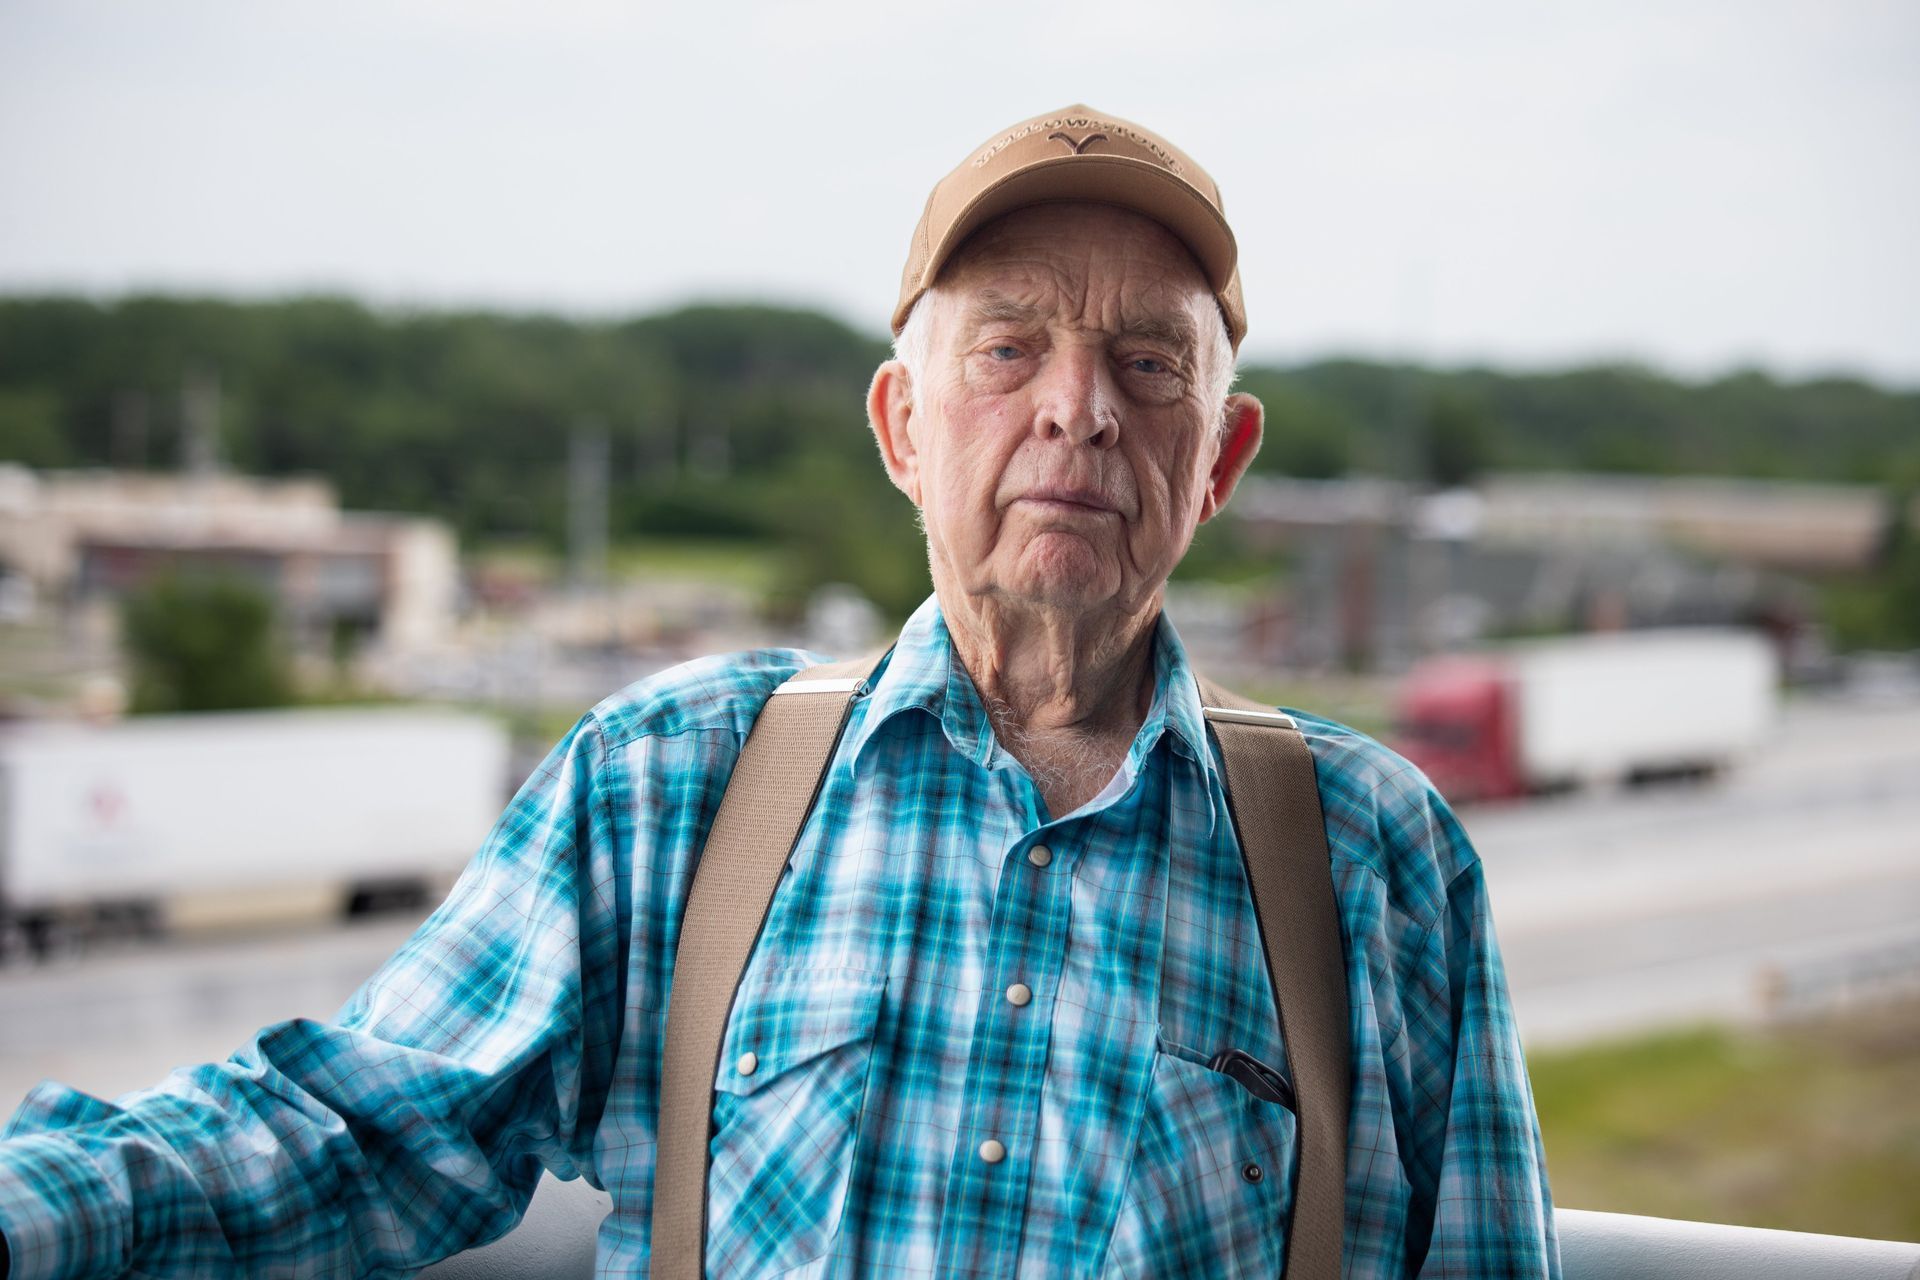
(1055, 571)
(1064, 587)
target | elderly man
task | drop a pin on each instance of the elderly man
(1009, 1010)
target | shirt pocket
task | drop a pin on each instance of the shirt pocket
(1211, 1185)
(788, 1097)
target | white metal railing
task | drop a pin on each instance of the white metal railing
(1620, 1246)
(555, 1242)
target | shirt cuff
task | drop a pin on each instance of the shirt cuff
(60, 1216)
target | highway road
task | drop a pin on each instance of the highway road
(1794, 880)
(1798, 875)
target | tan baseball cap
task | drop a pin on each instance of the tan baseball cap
(1077, 153)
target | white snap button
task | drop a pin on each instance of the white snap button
(748, 1064)
(1039, 855)
(1019, 994)
(992, 1151)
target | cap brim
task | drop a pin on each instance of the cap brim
(1132, 184)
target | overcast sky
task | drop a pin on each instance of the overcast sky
(1696, 183)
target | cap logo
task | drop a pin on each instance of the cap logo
(1080, 147)
(1054, 127)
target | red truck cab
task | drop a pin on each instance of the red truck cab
(1458, 719)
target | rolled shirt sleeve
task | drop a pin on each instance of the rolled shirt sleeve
(414, 1126)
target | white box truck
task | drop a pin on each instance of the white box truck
(121, 821)
(1552, 714)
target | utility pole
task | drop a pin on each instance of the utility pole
(200, 422)
(1406, 576)
(587, 504)
(709, 450)
(587, 461)
(129, 429)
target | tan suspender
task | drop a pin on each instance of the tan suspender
(1275, 805)
(773, 786)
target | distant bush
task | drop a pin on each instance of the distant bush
(203, 641)
(1880, 609)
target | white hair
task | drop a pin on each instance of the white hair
(913, 347)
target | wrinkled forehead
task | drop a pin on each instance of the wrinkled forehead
(1079, 265)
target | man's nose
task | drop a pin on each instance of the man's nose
(1079, 402)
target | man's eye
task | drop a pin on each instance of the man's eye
(1004, 352)
(1146, 364)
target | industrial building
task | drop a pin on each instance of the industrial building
(76, 541)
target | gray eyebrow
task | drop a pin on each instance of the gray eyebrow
(1175, 330)
(997, 308)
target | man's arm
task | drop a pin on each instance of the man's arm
(415, 1127)
(1492, 1214)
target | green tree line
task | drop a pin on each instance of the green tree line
(748, 421)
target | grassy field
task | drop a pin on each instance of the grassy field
(1812, 1126)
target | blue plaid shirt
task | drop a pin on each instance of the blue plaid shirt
(972, 1040)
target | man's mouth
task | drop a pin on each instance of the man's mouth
(1068, 499)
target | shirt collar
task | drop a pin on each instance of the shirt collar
(923, 673)
(1177, 689)
(1176, 701)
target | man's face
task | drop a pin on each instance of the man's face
(1065, 444)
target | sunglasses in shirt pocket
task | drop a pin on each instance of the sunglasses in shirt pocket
(1210, 1188)
(788, 1098)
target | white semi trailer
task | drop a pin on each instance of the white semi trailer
(120, 822)
(1549, 714)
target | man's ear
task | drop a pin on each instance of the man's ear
(890, 410)
(1246, 420)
